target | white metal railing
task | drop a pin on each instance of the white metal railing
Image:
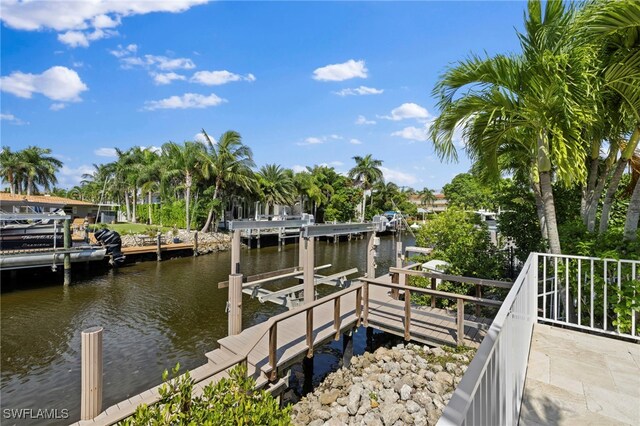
(491, 389)
(574, 291)
(589, 293)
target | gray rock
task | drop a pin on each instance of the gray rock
(406, 418)
(316, 422)
(364, 408)
(391, 413)
(423, 399)
(405, 392)
(330, 397)
(450, 367)
(420, 420)
(353, 400)
(321, 414)
(392, 367)
(372, 419)
(407, 358)
(342, 400)
(412, 406)
(385, 379)
(444, 377)
(438, 352)
(389, 396)
(334, 422)
(436, 368)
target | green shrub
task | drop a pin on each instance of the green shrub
(231, 401)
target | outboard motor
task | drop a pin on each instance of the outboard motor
(111, 240)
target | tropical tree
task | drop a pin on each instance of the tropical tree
(226, 164)
(275, 185)
(427, 196)
(39, 168)
(366, 173)
(11, 166)
(183, 162)
(533, 105)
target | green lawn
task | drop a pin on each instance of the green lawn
(136, 228)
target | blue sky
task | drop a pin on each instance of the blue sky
(303, 82)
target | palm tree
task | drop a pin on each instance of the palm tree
(39, 168)
(534, 104)
(150, 177)
(427, 196)
(227, 162)
(366, 172)
(183, 162)
(276, 186)
(11, 166)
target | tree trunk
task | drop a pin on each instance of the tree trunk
(537, 195)
(588, 192)
(150, 210)
(592, 204)
(187, 183)
(364, 204)
(127, 205)
(633, 215)
(29, 185)
(550, 212)
(611, 192)
(134, 219)
(210, 215)
(12, 188)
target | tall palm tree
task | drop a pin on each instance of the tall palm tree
(150, 177)
(427, 196)
(536, 103)
(276, 186)
(366, 173)
(183, 162)
(11, 166)
(39, 168)
(227, 162)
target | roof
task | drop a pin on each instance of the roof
(42, 199)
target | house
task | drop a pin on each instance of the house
(11, 203)
(438, 206)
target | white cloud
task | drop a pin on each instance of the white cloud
(199, 137)
(355, 141)
(57, 83)
(57, 106)
(413, 133)
(362, 120)
(398, 177)
(408, 110)
(106, 152)
(313, 140)
(188, 100)
(82, 21)
(12, 119)
(336, 163)
(71, 176)
(216, 78)
(165, 64)
(166, 78)
(152, 148)
(124, 51)
(359, 91)
(341, 72)
(298, 168)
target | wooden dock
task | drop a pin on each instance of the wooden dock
(154, 248)
(270, 348)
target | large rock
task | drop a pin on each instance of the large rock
(353, 400)
(405, 392)
(328, 398)
(321, 414)
(391, 413)
(412, 406)
(444, 378)
(372, 419)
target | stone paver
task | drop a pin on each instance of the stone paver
(575, 378)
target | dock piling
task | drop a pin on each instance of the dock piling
(91, 373)
(67, 255)
(309, 273)
(347, 348)
(158, 246)
(235, 304)
(195, 244)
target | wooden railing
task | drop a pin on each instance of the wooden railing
(460, 299)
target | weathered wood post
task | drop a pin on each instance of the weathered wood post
(67, 255)
(158, 246)
(301, 252)
(235, 251)
(309, 276)
(195, 243)
(91, 373)
(400, 278)
(371, 255)
(235, 304)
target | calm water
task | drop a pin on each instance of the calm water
(153, 314)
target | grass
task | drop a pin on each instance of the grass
(135, 228)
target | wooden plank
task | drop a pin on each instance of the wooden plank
(259, 279)
(309, 333)
(460, 322)
(454, 278)
(337, 318)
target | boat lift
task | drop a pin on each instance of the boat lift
(238, 284)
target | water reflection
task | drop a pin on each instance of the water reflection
(154, 315)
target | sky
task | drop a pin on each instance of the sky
(304, 83)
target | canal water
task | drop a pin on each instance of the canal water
(153, 314)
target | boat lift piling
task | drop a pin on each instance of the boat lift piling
(67, 254)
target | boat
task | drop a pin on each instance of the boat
(31, 231)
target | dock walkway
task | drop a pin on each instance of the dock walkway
(269, 348)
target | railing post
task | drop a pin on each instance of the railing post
(67, 255)
(433, 287)
(365, 316)
(395, 293)
(359, 306)
(460, 322)
(309, 273)
(478, 295)
(309, 333)
(235, 304)
(273, 347)
(337, 319)
(91, 373)
(407, 314)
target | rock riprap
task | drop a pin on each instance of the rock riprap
(207, 242)
(403, 385)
